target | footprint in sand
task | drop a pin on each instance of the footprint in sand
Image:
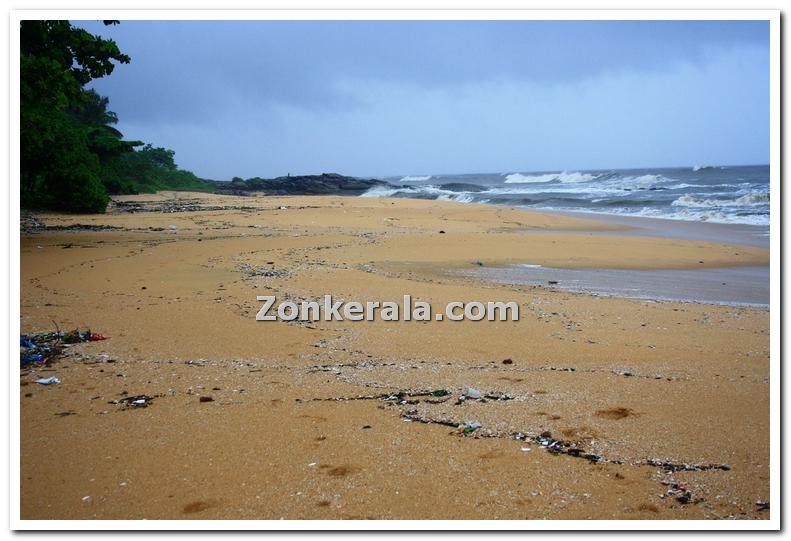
(616, 413)
(339, 471)
(197, 507)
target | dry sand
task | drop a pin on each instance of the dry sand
(173, 285)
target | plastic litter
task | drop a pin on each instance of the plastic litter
(137, 401)
(48, 381)
(42, 348)
(475, 394)
(440, 392)
(469, 427)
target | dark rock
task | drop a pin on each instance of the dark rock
(324, 184)
(461, 187)
(206, 399)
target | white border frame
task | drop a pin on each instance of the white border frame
(773, 16)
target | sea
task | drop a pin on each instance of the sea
(700, 193)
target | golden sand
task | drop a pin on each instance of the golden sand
(176, 294)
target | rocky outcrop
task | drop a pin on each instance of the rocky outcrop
(324, 184)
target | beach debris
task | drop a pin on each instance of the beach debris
(479, 263)
(675, 467)
(48, 381)
(43, 348)
(508, 361)
(205, 399)
(474, 394)
(440, 393)
(137, 401)
(366, 427)
(680, 493)
(441, 232)
(469, 427)
(552, 282)
(762, 505)
(86, 498)
(498, 396)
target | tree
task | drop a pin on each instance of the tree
(65, 130)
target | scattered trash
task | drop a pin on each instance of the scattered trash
(674, 467)
(206, 399)
(441, 232)
(763, 505)
(508, 361)
(48, 381)
(469, 427)
(86, 498)
(440, 392)
(526, 449)
(312, 464)
(367, 426)
(680, 492)
(469, 392)
(552, 282)
(43, 348)
(137, 401)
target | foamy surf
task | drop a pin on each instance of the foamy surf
(732, 195)
(519, 178)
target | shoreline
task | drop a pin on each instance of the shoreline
(749, 235)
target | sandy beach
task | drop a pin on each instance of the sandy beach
(593, 407)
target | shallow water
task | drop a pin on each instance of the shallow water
(732, 286)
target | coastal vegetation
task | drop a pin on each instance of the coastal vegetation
(71, 155)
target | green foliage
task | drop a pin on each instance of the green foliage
(148, 170)
(72, 156)
(59, 168)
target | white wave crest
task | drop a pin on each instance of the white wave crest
(519, 178)
(459, 198)
(410, 178)
(750, 199)
(380, 191)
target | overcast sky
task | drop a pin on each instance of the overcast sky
(376, 98)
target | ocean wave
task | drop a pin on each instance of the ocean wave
(459, 198)
(747, 200)
(519, 178)
(642, 181)
(708, 167)
(687, 215)
(716, 196)
(380, 191)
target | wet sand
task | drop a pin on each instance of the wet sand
(595, 407)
